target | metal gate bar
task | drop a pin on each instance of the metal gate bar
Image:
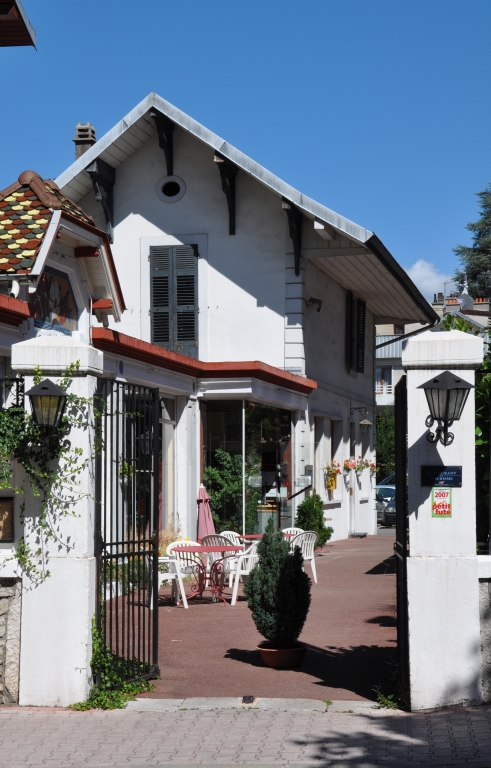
(126, 531)
(401, 546)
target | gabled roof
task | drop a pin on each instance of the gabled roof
(354, 257)
(33, 212)
(26, 209)
(15, 27)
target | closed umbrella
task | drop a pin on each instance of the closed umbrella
(206, 525)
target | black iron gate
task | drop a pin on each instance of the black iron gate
(401, 546)
(126, 530)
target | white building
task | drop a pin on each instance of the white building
(240, 317)
(250, 306)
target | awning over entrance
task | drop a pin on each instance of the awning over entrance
(124, 346)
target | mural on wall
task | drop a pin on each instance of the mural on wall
(53, 304)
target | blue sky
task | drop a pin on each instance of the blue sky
(380, 110)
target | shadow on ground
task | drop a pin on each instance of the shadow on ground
(358, 669)
(441, 739)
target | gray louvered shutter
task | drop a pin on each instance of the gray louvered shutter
(350, 331)
(361, 314)
(161, 295)
(186, 299)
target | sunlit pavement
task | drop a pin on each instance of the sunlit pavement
(238, 737)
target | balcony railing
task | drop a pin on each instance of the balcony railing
(384, 389)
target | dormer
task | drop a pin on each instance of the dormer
(54, 261)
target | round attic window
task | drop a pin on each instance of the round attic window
(170, 189)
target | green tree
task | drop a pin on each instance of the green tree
(476, 259)
(385, 443)
(278, 590)
(224, 485)
(310, 517)
(483, 427)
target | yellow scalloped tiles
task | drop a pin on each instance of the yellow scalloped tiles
(27, 217)
(28, 253)
(3, 260)
(22, 241)
(12, 246)
(6, 237)
(10, 199)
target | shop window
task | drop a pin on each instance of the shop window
(266, 464)
(174, 298)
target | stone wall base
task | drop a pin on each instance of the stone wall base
(485, 620)
(10, 613)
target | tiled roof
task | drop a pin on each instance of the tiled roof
(26, 208)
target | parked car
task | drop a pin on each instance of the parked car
(389, 514)
(389, 480)
(386, 492)
(380, 506)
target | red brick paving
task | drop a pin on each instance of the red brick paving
(210, 649)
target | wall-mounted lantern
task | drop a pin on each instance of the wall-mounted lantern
(365, 424)
(446, 395)
(48, 402)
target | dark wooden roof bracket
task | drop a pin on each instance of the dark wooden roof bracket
(103, 177)
(165, 128)
(295, 229)
(228, 172)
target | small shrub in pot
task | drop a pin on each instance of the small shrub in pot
(278, 594)
(310, 517)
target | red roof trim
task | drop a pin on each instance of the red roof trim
(127, 346)
(107, 245)
(13, 311)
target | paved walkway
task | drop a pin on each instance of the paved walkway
(31, 738)
(210, 649)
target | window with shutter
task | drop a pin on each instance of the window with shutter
(356, 311)
(350, 331)
(361, 314)
(174, 308)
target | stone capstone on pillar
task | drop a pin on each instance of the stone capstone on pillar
(54, 354)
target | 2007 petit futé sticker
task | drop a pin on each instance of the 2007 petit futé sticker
(441, 502)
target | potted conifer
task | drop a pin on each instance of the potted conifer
(278, 595)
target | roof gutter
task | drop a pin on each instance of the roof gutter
(411, 333)
(379, 250)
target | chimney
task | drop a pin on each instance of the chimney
(84, 138)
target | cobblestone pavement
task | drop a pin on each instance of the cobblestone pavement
(62, 739)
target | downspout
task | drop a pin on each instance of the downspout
(430, 327)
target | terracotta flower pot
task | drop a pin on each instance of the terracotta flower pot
(282, 658)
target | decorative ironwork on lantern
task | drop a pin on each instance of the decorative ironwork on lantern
(446, 395)
(365, 424)
(48, 402)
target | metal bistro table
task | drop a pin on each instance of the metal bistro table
(216, 576)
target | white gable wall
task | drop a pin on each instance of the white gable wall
(245, 271)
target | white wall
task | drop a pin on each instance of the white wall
(245, 270)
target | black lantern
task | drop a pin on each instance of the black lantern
(48, 402)
(446, 395)
(365, 426)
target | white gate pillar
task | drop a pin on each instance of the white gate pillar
(442, 576)
(56, 642)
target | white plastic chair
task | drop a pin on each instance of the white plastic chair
(182, 562)
(245, 564)
(306, 541)
(218, 540)
(233, 537)
(295, 531)
(173, 574)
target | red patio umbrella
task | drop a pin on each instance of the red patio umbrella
(206, 526)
